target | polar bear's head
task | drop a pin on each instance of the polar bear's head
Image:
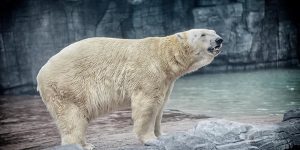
(203, 44)
(204, 40)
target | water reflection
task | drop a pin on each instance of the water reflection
(235, 94)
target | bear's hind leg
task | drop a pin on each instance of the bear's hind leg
(72, 125)
(157, 130)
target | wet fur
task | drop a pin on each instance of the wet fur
(98, 75)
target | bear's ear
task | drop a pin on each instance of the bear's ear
(179, 36)
(182, 38)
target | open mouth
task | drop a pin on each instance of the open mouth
(215, 50)
(218, 46)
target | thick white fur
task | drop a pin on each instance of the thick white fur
(98, 75)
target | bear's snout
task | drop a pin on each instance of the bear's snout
(215, 47)
(219, 40)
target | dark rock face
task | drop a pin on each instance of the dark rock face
(218, 134)
(292, 114)
(257, 33)
(254, 32)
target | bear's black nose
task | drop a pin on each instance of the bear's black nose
(219, 41)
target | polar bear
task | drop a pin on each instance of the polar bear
(98, 75)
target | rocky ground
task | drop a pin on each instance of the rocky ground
(26, 124)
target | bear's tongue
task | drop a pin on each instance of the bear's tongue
(216, 52)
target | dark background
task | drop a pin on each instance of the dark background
(257, 33)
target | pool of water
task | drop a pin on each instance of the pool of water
(263, 92)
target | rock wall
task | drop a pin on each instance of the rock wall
(257, 33)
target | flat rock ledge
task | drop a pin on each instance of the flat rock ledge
(220, 134)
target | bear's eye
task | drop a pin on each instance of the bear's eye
(202, 35)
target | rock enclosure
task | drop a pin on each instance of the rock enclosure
(257, 33)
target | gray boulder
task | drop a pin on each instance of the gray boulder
(219, 134)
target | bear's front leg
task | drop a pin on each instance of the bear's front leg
(157, 129)
(144, 111)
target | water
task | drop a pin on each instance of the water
(264, 92)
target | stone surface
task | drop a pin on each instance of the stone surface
(68, 147)
(26, 124)
(257, 33)
(219, 134)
